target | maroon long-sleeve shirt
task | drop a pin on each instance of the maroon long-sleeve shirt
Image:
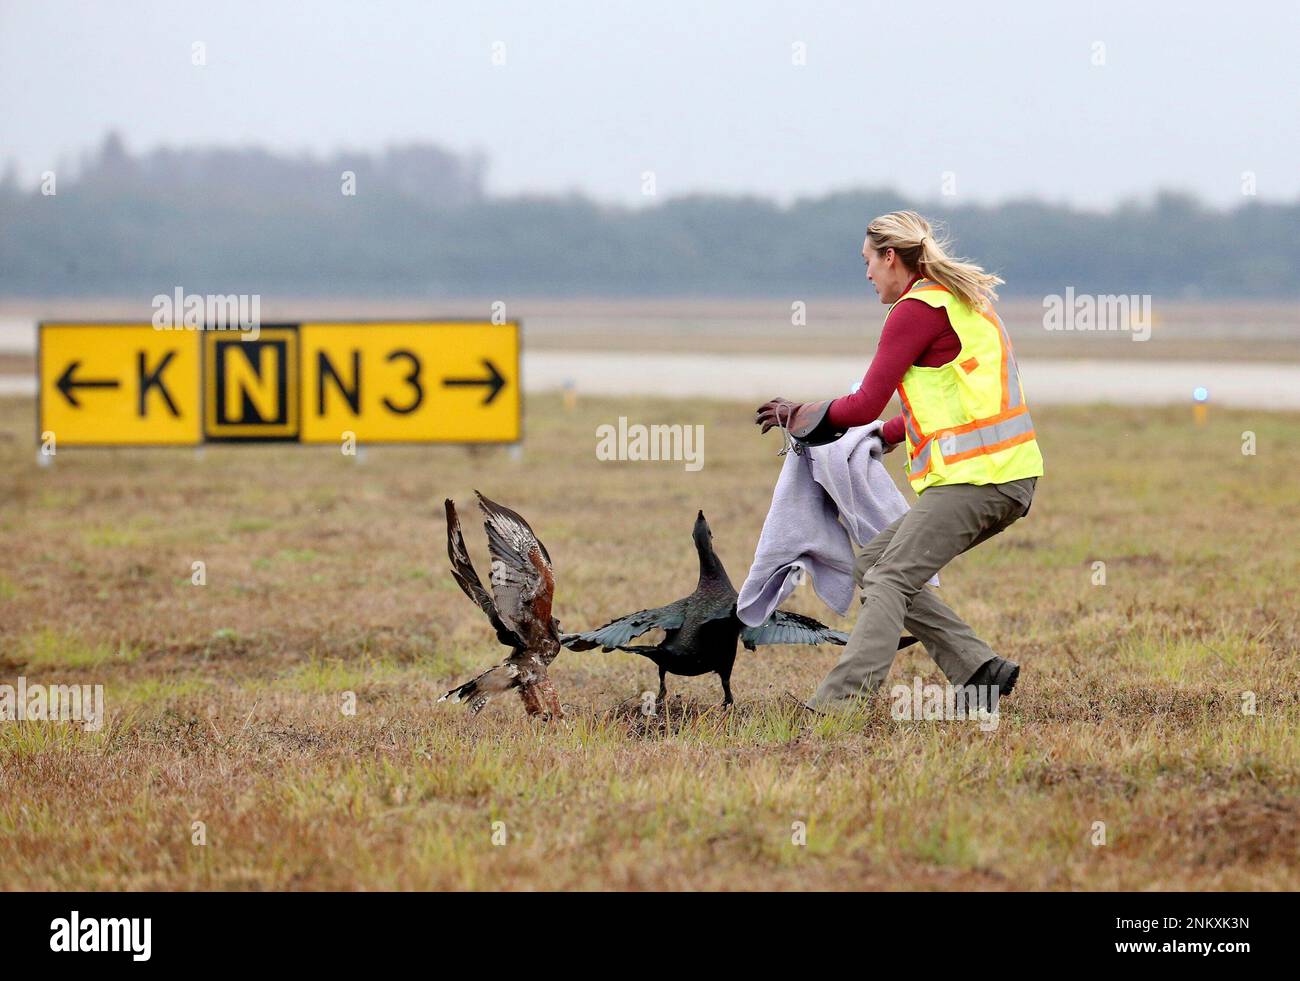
(915, 333)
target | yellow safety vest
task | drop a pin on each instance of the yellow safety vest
(967, 422)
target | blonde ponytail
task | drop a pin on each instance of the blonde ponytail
(910, 235)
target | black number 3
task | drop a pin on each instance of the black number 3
(413, 379)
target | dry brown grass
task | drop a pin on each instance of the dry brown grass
(326, 576)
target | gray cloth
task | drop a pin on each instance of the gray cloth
(826, 501)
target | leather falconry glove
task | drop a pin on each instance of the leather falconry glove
(775, 412)
(805, 422)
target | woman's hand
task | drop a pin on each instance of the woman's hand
(776, 412)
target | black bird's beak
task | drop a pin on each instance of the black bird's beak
(701, 532)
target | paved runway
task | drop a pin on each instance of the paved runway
(1046, 381)
(756, 378)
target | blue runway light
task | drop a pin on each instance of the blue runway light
(1201, 394)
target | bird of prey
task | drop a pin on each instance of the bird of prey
(701, 630)
(519, 607)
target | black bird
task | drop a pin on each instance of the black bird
(519, 607)
(701, 630)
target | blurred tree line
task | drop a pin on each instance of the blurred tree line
(420, 224)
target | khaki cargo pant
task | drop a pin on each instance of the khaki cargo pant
(893, 569)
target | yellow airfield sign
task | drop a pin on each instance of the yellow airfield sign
(320, 382)
(403, 382)
(250, 386)
(118, 384)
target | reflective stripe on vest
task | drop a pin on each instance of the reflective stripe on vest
(991, 439)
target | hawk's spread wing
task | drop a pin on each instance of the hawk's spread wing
(522, 583)
(618, 632)
(462, 571)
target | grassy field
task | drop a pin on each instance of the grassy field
(326, 575)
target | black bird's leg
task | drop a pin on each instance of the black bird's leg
(663, 689)
(727, 700)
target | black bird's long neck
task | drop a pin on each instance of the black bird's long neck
(711, 569)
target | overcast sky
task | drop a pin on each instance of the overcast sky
(1005, 97)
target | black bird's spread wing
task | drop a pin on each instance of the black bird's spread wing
(791, 628)
(462, 571)
(794, 628)
(618, 632)
(522, 583)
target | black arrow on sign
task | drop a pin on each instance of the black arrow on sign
(495, 381)
(67, 383)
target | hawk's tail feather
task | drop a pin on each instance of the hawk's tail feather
(477, 691)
